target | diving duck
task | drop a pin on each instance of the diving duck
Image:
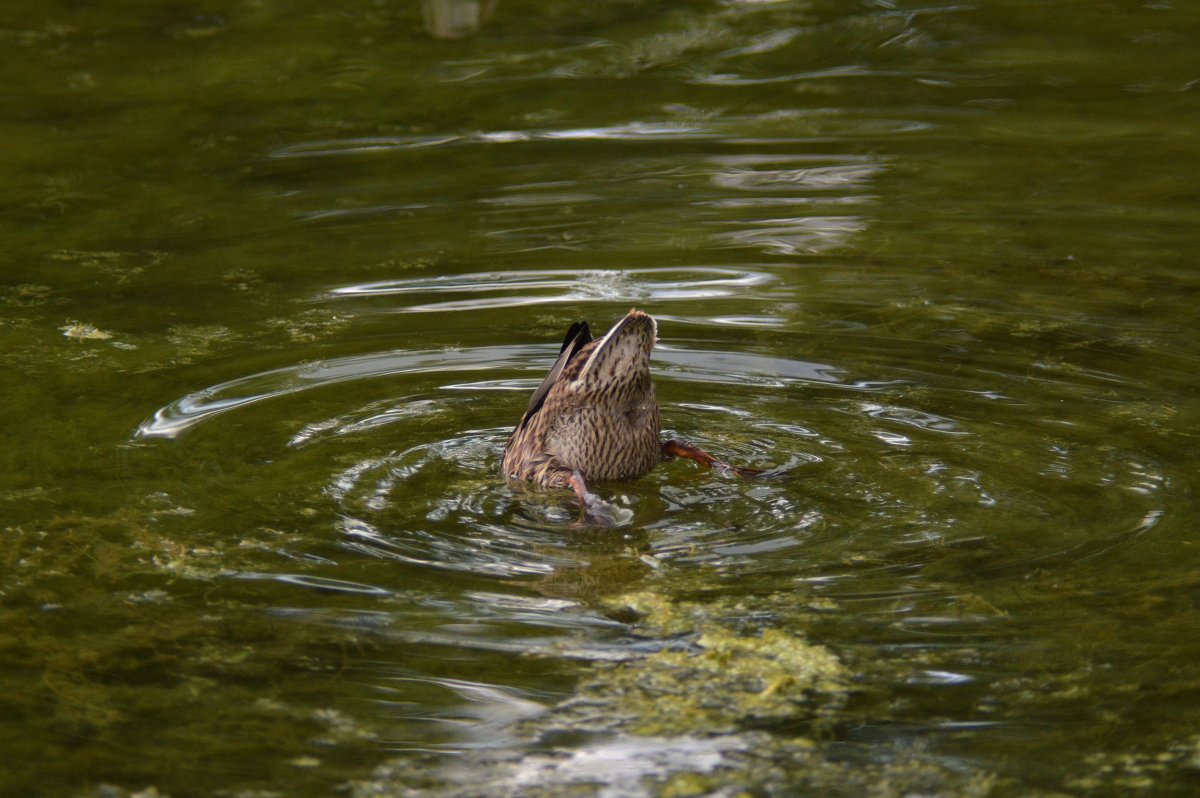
(595, 416)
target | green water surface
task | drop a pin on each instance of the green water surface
(278, 279)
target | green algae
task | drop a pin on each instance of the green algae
(724, 681)
(26, 295)
(141, 657)
(84, 332)
(1135, 772)
(113, 266)
(309, 325)
(198, 340)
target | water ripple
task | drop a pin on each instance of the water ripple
(505, 555)
(632, 131)
(852, 176)
(732, 79)
(320, 583)
(557, 286)
(184, 413)
(893, 492)
(795, 236)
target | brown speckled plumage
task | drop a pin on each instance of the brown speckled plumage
(596, 414)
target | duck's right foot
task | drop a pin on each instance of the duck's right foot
(674, 448)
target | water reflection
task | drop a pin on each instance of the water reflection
(456, 19)
(484, 715)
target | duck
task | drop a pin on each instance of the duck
(595, 417)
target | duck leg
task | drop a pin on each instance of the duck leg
(597, 511)
(674, 448)
(589, 500)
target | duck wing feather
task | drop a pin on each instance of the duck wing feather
(577, 337)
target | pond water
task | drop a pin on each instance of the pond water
(279, 279)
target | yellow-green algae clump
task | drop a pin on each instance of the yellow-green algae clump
(721, 680)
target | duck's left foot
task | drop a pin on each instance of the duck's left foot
(674, 448)
(586, 497)
(595, 509)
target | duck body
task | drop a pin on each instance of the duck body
(595, 416)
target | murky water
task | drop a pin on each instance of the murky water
(279, 279)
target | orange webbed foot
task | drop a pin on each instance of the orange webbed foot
(674, 448)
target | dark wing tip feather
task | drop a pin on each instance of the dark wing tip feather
(577, 337)
(579, 328)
